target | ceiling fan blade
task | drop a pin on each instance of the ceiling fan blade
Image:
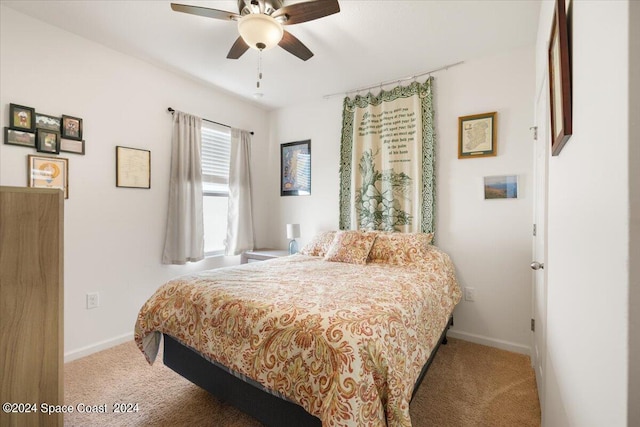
(238, 49)
(294, 46)
(205, 11)
(307, 11)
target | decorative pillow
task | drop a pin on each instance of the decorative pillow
(399, 248)
(351, 247)
(319, 245)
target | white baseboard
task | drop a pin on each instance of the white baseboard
(94, 348)
(491, 342)
(478, 339)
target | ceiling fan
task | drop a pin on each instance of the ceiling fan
(260, 23)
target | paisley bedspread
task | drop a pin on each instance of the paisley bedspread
(346, 342)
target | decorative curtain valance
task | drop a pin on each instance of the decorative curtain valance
(387, 160)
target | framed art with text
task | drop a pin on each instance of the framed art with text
(133, 167)
(295, 168)
(477, 135)
(560, 80)
(49, 172)
(72, 146)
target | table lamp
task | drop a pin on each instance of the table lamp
(293, 231)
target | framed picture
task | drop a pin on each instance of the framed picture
(295, 168)
(48, 141)
(501, 187)
(477, 135)
(49, 172)
(560, 80)
(22, 118)
(18, 137)
(133, 167)
(71, 128)
(44, 121)
(71, 146)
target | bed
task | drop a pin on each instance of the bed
(338, 335)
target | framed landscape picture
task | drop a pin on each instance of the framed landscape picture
(501, 187)
(44, 121)
(19, 137)
(295, 168)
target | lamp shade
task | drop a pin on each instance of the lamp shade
(260, 31)
(293, 231)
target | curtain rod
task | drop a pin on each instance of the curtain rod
(446, 67)
(171, 110)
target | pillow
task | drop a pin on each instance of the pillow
(351, 247)
(319, 245)
(399, 248)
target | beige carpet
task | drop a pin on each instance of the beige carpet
(467, 385)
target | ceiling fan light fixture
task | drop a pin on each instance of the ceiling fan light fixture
(260, 31)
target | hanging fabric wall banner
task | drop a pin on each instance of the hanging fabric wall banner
(387, 160)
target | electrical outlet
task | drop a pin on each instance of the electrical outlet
(93, 300)
(470, 294)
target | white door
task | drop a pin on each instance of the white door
(542, 144)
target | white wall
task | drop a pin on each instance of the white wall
(113, 236)
(321, 123)
(489, 241)
(588, 225)
(634, 223)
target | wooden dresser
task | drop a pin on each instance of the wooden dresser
(31, 304)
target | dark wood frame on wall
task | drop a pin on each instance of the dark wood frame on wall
(14, 123)
(70, 132)
(19, 137)
(560, 80)
(42, 140)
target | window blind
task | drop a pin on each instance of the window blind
(303, 176)
(216, 146)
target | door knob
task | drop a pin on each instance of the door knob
(535, 265)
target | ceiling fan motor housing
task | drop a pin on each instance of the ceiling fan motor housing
(246, 7)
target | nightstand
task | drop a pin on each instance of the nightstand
(261, 255)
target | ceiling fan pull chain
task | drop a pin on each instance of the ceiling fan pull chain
(259, 69)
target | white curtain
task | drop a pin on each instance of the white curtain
(184, 239)
(240, 234)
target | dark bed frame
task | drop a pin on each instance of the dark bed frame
(269, 409)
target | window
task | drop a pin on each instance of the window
(216, 146)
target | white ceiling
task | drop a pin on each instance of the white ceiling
(367, 43)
